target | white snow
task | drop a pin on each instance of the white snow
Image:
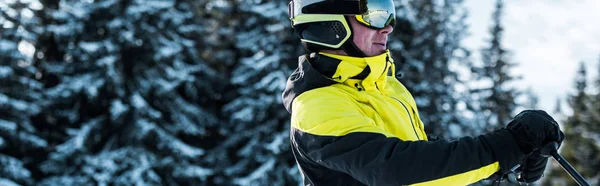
(8, 126)
(35, 5)
(33, 140)
(142, 166)
(100, 168)
(2, 142)
(193, 171)
(127, 35)
(106, 3)
(11, 167)
(159, 4)
(259, 61)
(90, 47)
(65, 180)
(455, 131)
(168, 51)
(64, 30)
(167, 141)
(180, 147)
(188, 28)
(76, 142)
(107, 60)
(186, 106)
(143, 126)
(26, 13)
(175, 17)
(11, 12)
(117, 108)
(244, 114)
(150, 6)
(75, 84)
(248, 40)
(257, 174)
(279, 27)
(280, 140)
(6, 3)
(179, 74)
(15, 104)
(220, 4)
(248, 148)
(138, 101)
(26, 48)
(7, 182)
(267, 10)
(166, 86)
(423, 101)
(168, 48)
(60, 15)
(185, 124)
(272, 82)
(7, 24)
(7, 46)
(79, 10)
(115, 23)
(5, 71)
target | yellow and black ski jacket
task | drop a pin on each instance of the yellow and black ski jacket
(354, 123)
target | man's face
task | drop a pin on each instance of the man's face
(372, 42)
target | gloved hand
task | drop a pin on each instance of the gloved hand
(533, 167)
(530, 130)
(533, 129)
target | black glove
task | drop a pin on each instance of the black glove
(533, 129)
(533, 167)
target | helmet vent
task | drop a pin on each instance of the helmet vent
(326, 32)
(335, 27)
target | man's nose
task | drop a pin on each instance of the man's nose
(386, 30)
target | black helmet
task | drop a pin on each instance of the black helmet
(322, 24)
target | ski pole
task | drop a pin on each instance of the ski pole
(551, 150)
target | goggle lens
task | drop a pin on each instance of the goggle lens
(379, 14)
(376, 14)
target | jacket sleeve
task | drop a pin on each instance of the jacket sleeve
(337, 135)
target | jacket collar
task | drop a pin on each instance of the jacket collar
(363, 73)
(321, 69)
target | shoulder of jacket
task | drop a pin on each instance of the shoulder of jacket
(327, 111)
(323, 98)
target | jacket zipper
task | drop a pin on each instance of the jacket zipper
(387, 58)
(409, 117)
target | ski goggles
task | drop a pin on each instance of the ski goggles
(376, 14)
(379, 14)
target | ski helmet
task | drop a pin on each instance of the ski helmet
(323, 24)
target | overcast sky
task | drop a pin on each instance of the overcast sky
(548, 39)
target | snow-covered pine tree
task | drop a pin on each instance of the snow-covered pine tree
(531, 99)
(133, 102)
(428, 50)
(581, 147)
(21, 144)
(558, 107)
(495, 98)
(256, 151)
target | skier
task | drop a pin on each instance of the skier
(354, 123)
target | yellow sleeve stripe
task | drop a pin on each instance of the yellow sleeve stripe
(465, 178)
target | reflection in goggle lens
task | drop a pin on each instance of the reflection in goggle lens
(378, 13)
